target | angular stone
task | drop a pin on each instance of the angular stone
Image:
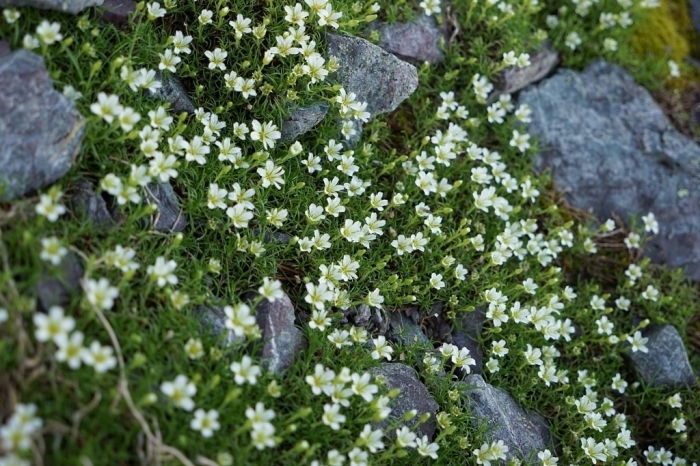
(40, 128)
(466, 334)
(213, 320)
(666, 363)
(513, 79)
(404, 330)
(416, 41)
(301, 120)
(413, 395)
(172, 91)
(168, 217)
(358, 315)
(58, 284)
(375, 76)
(283, 341)
(65, 6)
(86, 204)
(117, 11)
(524, 433)
(611, 149)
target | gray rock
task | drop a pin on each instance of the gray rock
(172, 91)
(694, 7)
(86, 204)
(168, 217)
(413, 395)
(58, 285)
(524, 433)
(117, 11)
(416, 41)
(4, 48)
(213, 320)
(359, 315)
(466, 334)
(611, 149)
(40, 128)
(302, 119)
(513, 79)
(66, 6)
(404, 330)
(666, 363)
(283, 341)
(375, 76)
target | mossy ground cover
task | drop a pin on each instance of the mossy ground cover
(436, 203)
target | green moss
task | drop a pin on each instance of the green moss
(663, 32)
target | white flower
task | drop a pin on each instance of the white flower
(430, 6)
(216, 58)
(70, 350)
(162, 272)
(650, 223)
(100, 293)
(155, 11)
(49, 33)
(572, 40)
(674, 69)
(181, 43)
(107, 107)
(101, 358)
(332, 417)
(271, 175)
(650, 293)
(266, 133)
(638, 342)
(425, 448)
(55, 326)
(271, 290)
(245, 371)
(327, 16)
(52, 250)
(205, 421)
(181, 391)
(381, 348)
(405, 438)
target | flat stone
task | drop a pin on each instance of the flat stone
(416, 41)
(404, 330)
(117, 11)
(611, 149)
(413, 395)
(172, 91)
(301, 120)
(86, 204)
(466, 334)
(525, 433)
(513, 79)
(666, 363)
(4, 48)
(213, 320)
(374, 75)
(283, 341)
(40, 128)
(168, 217)
(59, 284)
(65, 6)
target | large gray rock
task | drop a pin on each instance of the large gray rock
(66, 6)
(117, 12)
(375, 76)
(4, 48)
(172, 91)
(168, 216)
(413, 395)
(694, 7)
(466, 334)
(666, 363)
(513, 79)
(524, 433)
(87, 205)
(40, 128)
(611, 149)
(282, 340)
(59, 284)
(415, 41)
(301, 120)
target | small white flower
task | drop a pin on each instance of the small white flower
(205, 422)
